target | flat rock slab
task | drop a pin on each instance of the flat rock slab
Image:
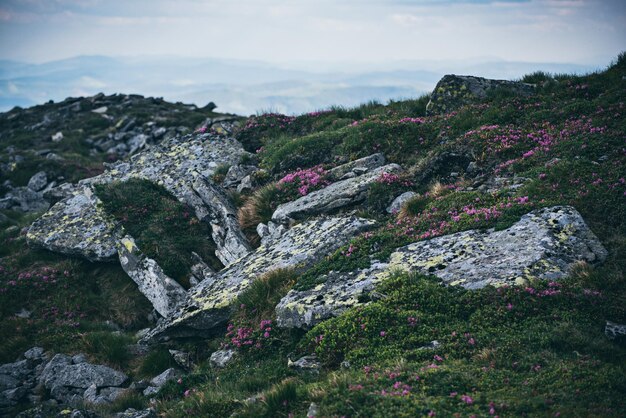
(544, 244)
(164, 293)
(454, 91)
(208, 304)
(76, 226)
(338, 195)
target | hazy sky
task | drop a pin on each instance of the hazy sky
(574, 31)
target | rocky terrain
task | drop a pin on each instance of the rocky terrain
(460, 254)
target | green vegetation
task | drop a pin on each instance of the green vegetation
(165, 229)
(62, 304)
(537, 350)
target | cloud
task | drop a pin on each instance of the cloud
(315, 30)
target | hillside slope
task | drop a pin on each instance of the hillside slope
(460, 254)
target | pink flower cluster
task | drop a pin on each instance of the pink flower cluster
(305, 180)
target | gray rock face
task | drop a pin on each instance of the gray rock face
(340, 194)
(236, 174)
(71, 382)
(544, 244)
(208, 304)
(24, 199)
(454, 91)
(38, 181)
(221, 358)
(76, 226)
(357, 167)
(400, 201)
(164, 293)
(83, 375)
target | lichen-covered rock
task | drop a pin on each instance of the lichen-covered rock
(337, 195)
(454, 91)
(208, 304)
(184, 166)
(357, 167)
(544, 244)
(76, 225)
(164, 293)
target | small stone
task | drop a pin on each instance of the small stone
(166, 376)
(38, 181)
(221, 358)
(431, 345)
(313, 410)
(57, 137)
(400, 201)
(182, 358)
(305, 363)
(613, 330)
(100, 110)
(23, 313)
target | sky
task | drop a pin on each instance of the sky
(310, 33)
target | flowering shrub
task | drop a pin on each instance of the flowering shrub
(302, 182)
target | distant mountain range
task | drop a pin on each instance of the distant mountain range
(241, 86)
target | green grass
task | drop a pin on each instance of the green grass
(164, 228)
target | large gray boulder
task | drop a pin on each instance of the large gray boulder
(83, 375)
(454, 91)
(209, 303)
(184, 166)
(544, 244)
(337, 195)
(164, 293)
(72, 383)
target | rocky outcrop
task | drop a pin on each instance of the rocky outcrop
(68, 380)
(208, 304)
(544, 244)
(454, 91)
(164, 293)
(71, 380)
(76, 225)
(19, 379)
(340, 194)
